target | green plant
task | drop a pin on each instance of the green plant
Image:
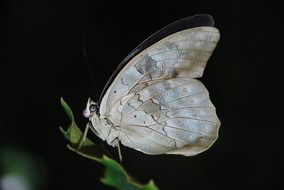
(115, 175)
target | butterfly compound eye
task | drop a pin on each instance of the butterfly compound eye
(93, 108)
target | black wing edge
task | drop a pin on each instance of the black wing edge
(179, 25)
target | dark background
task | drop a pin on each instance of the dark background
(41, 60)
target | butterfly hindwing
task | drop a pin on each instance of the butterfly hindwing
(167, 116)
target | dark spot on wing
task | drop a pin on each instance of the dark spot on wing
(174, 73)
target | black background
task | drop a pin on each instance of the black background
(41, 60)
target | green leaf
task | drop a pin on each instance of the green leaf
(67, 109)
(114, 175)
(117, 177)
(73, 133)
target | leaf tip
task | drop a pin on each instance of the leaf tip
(62, 101)
(67, 109)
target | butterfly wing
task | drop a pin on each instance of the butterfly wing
(179, 25)
(156, 101)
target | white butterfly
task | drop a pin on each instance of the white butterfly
(153, 102)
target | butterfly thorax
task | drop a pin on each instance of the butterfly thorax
(105, 129)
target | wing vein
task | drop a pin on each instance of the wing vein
(129, 139)
(181, 129)
(173, 58)
(163, 92)
(181, 49)
(156, 132)
(189, 118)
(186, 96)
(168, 101)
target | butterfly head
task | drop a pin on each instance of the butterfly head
(101, 129)
(91, 108)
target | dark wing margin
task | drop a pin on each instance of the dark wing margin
(179, 25)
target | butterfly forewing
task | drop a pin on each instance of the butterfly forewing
(179, 25)
(183, 54)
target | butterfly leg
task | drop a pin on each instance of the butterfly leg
(115, 143)
(83, 137)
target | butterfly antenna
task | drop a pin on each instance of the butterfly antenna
(87, 63)
(119, 152)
